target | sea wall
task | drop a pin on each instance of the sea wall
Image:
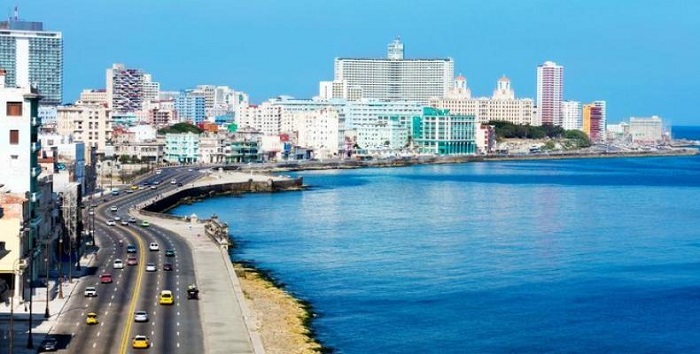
(193, 192)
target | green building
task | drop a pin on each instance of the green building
(244, 151)
(437, 131)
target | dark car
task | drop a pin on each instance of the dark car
(170, 253)
(179, 184)
(167, 266)
(49, 344)
(130, 249)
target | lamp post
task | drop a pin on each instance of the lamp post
(30, 341)
(46, 312)
(60, 268)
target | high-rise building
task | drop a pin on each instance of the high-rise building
(571, 115)
(591, 118)
(31, 56)
(128, 89)
(550, 88)
(394, 77)
(190, 107)
(603, 115)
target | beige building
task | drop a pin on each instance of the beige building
(321, 130)
(502, 106)
(647, 130)
(91, 124)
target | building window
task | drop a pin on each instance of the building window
(14, 109)
(14, 137)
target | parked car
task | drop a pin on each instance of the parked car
(49, 344)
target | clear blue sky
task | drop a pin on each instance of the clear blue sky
(640, 55)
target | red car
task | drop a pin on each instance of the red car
(131, 261)
(105, 278)
(167, 266)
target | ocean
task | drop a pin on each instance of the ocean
(590, 255)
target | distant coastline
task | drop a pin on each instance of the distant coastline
(427, 160)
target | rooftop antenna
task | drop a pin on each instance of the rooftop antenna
(16, 14)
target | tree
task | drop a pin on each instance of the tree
(124, 159)
(180, 128)
(579, 137)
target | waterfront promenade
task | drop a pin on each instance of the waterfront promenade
(226, 320)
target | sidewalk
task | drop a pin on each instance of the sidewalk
(40, 326)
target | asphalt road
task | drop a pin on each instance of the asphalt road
(172, 329)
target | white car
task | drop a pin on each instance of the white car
(111, 222)
(151, 267)
(117, 218)
(153, 246)
(132, 219)
(173, 181)
(114, 208)
(125, 223)
(189, 170)
(141, 316)
(118, 264)
(90, 291)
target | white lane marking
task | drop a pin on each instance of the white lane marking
(94, 345)
(112, 296)
(178, 333)
(77, 324)
(98, 333)
(153, 332)
(82, 314)
(178, 344)
(178, 324)
(110, 303)
(106, 313)
(178, 313)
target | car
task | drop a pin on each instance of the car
(173, 181)
(117, 218)
(49, 344)
(179, 184)
(166, 297)
(128, 191)
(167, 266)
(145, 223)
(115, 193)
(131, 249)
(111, 223)
(153, 246)
(90, 291)
(132, 220)
(91, 318)
(159, 172)
(156, 182)
(140, 342)
(154, 187)
(114, 209)
(170, 253)
(134, 187)
(189, 170)
(125, 223)
(91, 212)
(141, 316)
(151, 267)
(118, 264)
(106, 278)
(93, 205)
(132, 261)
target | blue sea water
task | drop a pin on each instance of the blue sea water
(599, 255)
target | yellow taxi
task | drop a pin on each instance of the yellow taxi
(166, 297)
(134, 187)
(91, 318)
(140, 342)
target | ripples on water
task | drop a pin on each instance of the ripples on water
(534, 256)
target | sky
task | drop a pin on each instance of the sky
(641, 56)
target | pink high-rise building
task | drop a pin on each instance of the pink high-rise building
(550, 88)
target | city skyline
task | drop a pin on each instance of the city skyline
(609, 52)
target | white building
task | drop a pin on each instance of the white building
(364, 112)
(181, 148)
(502, 106)
(32, 56)
(143, 132)
(151, 89)
(320, 130)
(571, 115)
(91, 124)
(550, 90)
(48, 115)
(646, 130)
(391, 78)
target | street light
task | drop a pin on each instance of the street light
(60, 267)
(30, 341)
(46, 312)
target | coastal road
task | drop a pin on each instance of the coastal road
(172, 329)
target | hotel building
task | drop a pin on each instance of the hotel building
(390, 78)
(31, 56)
